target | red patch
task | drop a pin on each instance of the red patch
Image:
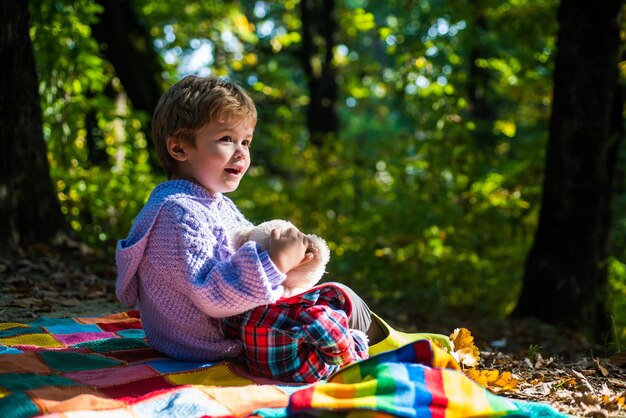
(137, 388)
(122, 325)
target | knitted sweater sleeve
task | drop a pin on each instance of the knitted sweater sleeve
(218, 285)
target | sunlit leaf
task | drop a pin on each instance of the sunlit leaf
(464, 350)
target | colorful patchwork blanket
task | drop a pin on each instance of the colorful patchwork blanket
(100, 367)
(401, 383)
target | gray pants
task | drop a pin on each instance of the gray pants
(361, 317)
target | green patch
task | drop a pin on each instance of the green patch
(17, 405)
(73, 362)
(23, 381)
(113, 344)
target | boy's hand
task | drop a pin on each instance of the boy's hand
(288, 250)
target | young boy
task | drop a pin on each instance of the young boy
(177, 263)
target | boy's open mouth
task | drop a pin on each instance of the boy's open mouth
(234, 170)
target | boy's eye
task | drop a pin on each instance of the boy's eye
(226, 139)
(246, 143)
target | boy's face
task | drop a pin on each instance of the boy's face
(220, 157)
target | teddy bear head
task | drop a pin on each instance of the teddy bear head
(299, 278)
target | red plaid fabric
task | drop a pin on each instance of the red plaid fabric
(303, 338)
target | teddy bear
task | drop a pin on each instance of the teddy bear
(300, 278)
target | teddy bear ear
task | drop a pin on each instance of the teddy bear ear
(320, 248)
(240, 237)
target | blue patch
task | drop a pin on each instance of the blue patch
(131, 333)
(9, 350)
(175, 366)
(73, 328)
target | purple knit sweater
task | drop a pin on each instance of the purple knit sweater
(178, 266)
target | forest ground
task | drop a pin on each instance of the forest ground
(547, 364)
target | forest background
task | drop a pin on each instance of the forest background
(411, 135)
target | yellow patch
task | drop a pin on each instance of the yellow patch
(9, 325)
(40, 340)
(220, 375)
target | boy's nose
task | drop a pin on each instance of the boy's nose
(240, 151)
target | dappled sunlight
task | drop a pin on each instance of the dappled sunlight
(414, 154)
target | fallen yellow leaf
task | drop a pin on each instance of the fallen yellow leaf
(505, 381)
(476, 376)
(463, 348)
(492, 379)
(602, 369)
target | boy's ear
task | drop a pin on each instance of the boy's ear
(176, 149)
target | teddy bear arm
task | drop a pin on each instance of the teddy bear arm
(240, 237)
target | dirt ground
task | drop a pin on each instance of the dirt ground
(522, 360)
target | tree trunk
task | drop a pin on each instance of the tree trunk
(478, 80)
(127, 45)
(29, 210)
(319, 29)
(565, 281)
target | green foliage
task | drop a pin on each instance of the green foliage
(617, 296)
(532, 352)
(429, 193)
(96, 144)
